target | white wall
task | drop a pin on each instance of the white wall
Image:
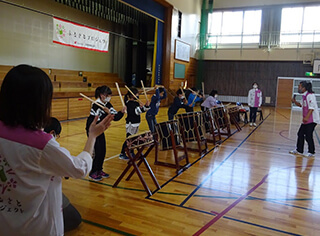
(190, 26)
(26, 37)
(260, 54)
(248, 3)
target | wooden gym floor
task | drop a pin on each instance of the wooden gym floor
(249, 185)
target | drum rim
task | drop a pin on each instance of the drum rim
(139, 134)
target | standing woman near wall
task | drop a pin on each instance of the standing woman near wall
(32, 163)
(254, 102)
(310, 118)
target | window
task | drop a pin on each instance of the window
(300, 25)
(251, 26)
(179, 24)
(234, 27)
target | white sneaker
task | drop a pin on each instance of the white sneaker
(250, 124)
(310, 155)
(254, 124)
(295, 152)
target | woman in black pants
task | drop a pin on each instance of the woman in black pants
(254, 102)
(310, 119)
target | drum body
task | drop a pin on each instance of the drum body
(209, 120)
(138, 140)
(221, 117)
(164, 130)
(190, 122)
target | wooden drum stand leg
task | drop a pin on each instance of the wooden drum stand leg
(213, 123)
(140, 157)
(200, 141)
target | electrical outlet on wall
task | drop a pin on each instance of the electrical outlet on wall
(268, 100)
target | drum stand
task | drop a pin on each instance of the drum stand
(200, 142)
(222, 120)
(212, 131)
(135, 161)
(175, 153)
(234, 114)
(193, 127)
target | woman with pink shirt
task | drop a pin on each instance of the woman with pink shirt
(310, 119)
(32, 163)
(254, 102)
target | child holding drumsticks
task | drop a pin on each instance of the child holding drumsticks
(154, 106)
(103, 96)
(133, 120)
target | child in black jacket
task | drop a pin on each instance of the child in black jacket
(178, 102)
(133, 120)
(103, 96)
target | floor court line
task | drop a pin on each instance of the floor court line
(261, 226)
(133, 189)
(230, 207)
(282, 115)
(261, 199)
(246, 222)
(225, 217)
(260, 151)
(317, 136)
(207, 196)
(178, 174)
(243, 141)
(244, 196)
(280, 133)
(107, 228)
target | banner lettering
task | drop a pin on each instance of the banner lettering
(79, 36)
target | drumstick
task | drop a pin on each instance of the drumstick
(183, 92)
(133, 94)
(144, 90)
(120, 95)
(194, 99)
(149, 89)
(193, 91)
(103, 107)
(203, 89)
(185, 84)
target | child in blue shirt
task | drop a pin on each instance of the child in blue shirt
(192, 100)
(154, 106)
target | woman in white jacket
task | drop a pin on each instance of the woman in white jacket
(254, 102)
(32, 163)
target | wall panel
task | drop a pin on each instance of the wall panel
(236, 77)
